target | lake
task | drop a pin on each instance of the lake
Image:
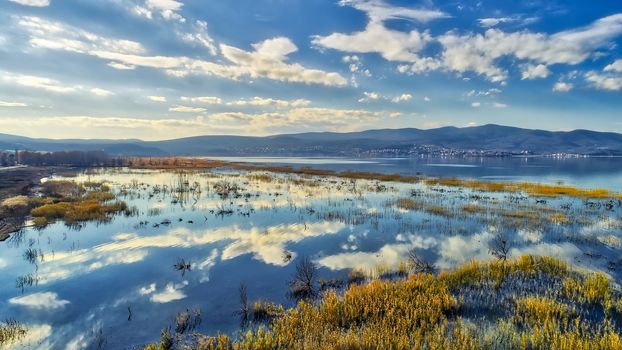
(82, 283)
(583, 172)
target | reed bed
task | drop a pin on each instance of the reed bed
(428, 311)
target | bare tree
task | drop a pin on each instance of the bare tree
(419, 264)
(303, 284)
(244, 310)
(500, 247)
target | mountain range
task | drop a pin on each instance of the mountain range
(478, 140)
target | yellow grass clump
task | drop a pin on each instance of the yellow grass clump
(532, 189)
(420, 312)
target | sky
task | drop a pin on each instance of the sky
(163, 69)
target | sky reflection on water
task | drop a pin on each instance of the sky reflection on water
(87, 280)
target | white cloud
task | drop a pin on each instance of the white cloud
(616, 66)
(121, 66)
(402, 98)
(187, 109)
(493, 21)
(210, 100)
(388, 255)
(271, 102)
(38, 83)
(150, 289)
(379, 10)
(50, 85)
(426, 98)
(478, 52)
(200, 37)
(40, 301)
(35, 3)
(374, 96)
(317, 119)
(488, 92)
(370, 96)
(532, 71)
(561, 86)
(476, 104)
(58, 36)
(499, 105)
(12, 104)
(157, 98)
(392, 45)
(170, 293)
(604, 81)
(206, 265)
(167, 9)
(268, 59)
(101, 92)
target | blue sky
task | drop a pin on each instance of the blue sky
(159, 69)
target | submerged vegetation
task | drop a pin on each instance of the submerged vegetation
(370, 260)
(532, 189)
(513, 304)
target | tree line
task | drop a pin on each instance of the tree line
(7, 158)
(67, 158)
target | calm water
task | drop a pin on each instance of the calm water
(583, 172)
(88, 277)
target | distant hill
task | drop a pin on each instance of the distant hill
(479, 140)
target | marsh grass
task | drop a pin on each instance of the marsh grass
(426, 311)
(532, 189)
(11, 332)
(411, 204)
(75, 202)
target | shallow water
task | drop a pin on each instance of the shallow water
(89, 278)
(583, 172)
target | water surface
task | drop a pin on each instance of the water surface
(89, 278)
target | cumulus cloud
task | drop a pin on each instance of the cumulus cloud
(604, 81)
(147, 290)
(40, 301)
(389, 254)
(268, 59)
(392, 45)
(402, 98)
(34, 3)
(171, 292)
(499, 105)
(478, 53)
(616, 66)
(476, 104)
(369, 96)
(561, 86)
(532, 71)
(375, 96)
(167, 9)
